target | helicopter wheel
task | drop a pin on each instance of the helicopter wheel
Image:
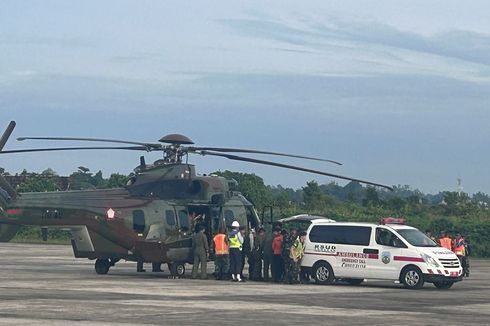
(102, 266)
(177, 269)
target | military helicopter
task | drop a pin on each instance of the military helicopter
(149, 220)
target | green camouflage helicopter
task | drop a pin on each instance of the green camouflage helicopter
(149, 220)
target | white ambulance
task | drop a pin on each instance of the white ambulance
(353, 252)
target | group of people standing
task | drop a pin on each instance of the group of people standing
(279, 252)
(459, 245)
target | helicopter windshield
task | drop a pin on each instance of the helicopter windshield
(252, 217)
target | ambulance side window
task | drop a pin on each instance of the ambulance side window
(387, 238)
(341, 234)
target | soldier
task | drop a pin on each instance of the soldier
(267, 255)
(200, 248)
(286, 248)
(221, 255)
(256, 256)
(296, 255)
(246, 248)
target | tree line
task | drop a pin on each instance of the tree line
(445, 211)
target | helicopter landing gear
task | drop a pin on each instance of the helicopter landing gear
(156, 267)
(102, 266)
(177, 269)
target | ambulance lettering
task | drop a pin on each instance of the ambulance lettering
(326, 248)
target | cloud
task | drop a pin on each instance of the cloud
(47, 41)
(371, 47)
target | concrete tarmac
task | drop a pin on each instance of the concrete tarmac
(45, 285)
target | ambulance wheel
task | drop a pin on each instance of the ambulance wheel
(412, 278)
(323, 273)
(354, 281)
(177, 269)
(102, 266)
(443, 285)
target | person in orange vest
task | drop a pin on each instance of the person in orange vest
(445, 241)
(277, 261)
(460, 251)
(221, 255)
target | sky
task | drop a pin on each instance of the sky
(398, 91)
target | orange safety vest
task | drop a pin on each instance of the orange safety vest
(459, 248)
(446, 243)
(220, 244)
(459, 251)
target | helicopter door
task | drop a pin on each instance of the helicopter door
(171, 227)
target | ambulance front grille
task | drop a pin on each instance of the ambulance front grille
(450, 263)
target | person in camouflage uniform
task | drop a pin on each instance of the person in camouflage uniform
(256, 255)
(200, 248)
(296, 254)
(286, 248)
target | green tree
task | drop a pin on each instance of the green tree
(313, 197)
(372, 197)
(37, 183)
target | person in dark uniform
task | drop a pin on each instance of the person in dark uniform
(267, 255)
(246, 248)
(286, 252)
(200, 249)
(257, 255)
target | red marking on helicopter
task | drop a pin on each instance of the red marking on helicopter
(15, 211)
(111, 214)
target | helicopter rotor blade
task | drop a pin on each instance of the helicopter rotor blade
(253, 151)
(52, 149)
(6, 134)
(287, 166)
(90, 139)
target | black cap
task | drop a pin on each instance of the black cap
(302, 233)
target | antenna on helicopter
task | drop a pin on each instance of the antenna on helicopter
(142, 163)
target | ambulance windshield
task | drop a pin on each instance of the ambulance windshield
(416, 238)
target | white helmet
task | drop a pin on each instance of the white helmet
(235, 224)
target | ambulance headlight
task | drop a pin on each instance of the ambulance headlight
(430, 261)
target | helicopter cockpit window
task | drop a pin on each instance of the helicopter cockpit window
(252, 218)
(170, 217)
(184, 220)
(229, 217)
(139, 220)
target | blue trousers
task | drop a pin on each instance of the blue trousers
(235, 261)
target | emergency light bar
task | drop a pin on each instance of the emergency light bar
(391, 220)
